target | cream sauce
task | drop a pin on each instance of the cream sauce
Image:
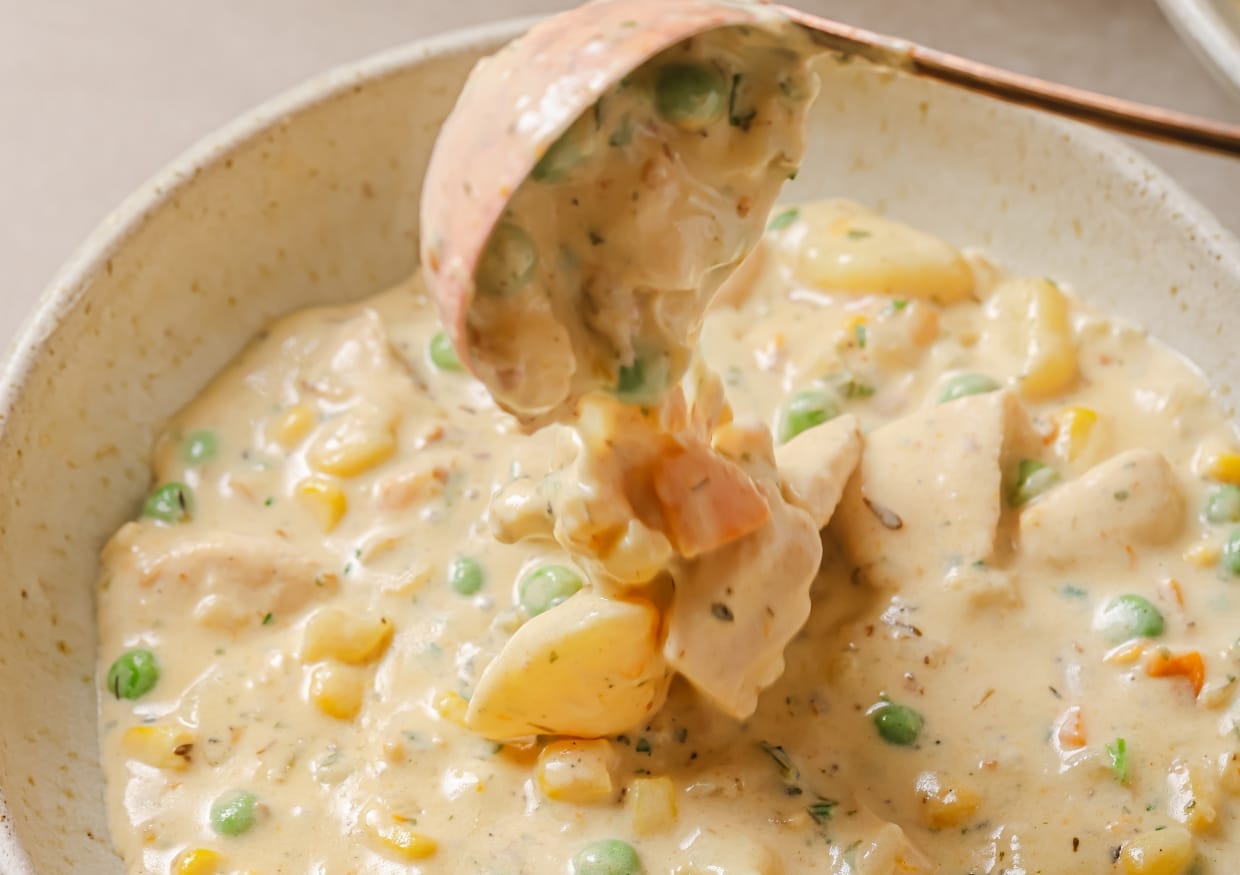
(953, 704)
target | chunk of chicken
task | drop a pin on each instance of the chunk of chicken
(926, 497)
(225, 580)
(1131, 500)
(587, 668)
(816, 464)
(736, 608)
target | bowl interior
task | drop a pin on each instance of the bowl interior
(314, 198)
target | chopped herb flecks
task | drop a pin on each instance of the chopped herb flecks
(821, 810)
(1118, 752)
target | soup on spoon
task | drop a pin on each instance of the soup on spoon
(638, 169)
(583, 306)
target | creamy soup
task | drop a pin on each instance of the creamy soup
(1021, 654)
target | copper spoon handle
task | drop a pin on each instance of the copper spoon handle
(1125, 116)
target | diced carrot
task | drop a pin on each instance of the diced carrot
(1071, 729)
(707, 501)
(1163, 664)
(1176, 590)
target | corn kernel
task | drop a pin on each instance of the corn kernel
(337, 691)
(353, 446)
(1158, 852)
(1128, 653)
(945, 803)
(293, 424)
(1193, 796)
(1202, 555)
(652, 805)
(855, 330)
(577, 771)
(197, 861)
(1223, 467)
(354, 640)
(161, 746)
(399, 839)
(324, 499)
(1076, 426)
(452, 706)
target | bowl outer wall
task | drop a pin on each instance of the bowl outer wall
(313, 198)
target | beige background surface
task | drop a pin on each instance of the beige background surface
(97, 96)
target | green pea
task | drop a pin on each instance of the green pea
(643, 381)
(563, 156)
(234, 813)
(133, 674)
(544, 588)
(465, 575)
(1223, 505)
(442, 353)
(1130, 616)
(690, 96)
(199, 447)
(607, 857)
(897, 724)
(967, 384)
(1032, 479)
(170, 503)
(508, 261)
(784, 219)
(1231, 553)
(806, 409)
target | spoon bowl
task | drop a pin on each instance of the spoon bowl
(597, 182)
(517, 104)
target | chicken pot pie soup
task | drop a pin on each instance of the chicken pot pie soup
(915, 567)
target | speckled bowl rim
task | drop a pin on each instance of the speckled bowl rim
(66, 289)
(1214, 40)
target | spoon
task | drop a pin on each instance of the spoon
(520, 101)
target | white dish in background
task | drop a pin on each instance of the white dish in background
(313, 198)
(1212, 29)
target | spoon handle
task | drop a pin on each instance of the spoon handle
(1125, 116)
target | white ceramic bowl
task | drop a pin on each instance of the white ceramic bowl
(313, 198)
(1212, 29)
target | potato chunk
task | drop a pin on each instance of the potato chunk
(587, 668)
(840, 246)
(925, 499)
(1033, 315)
(1131, 500)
